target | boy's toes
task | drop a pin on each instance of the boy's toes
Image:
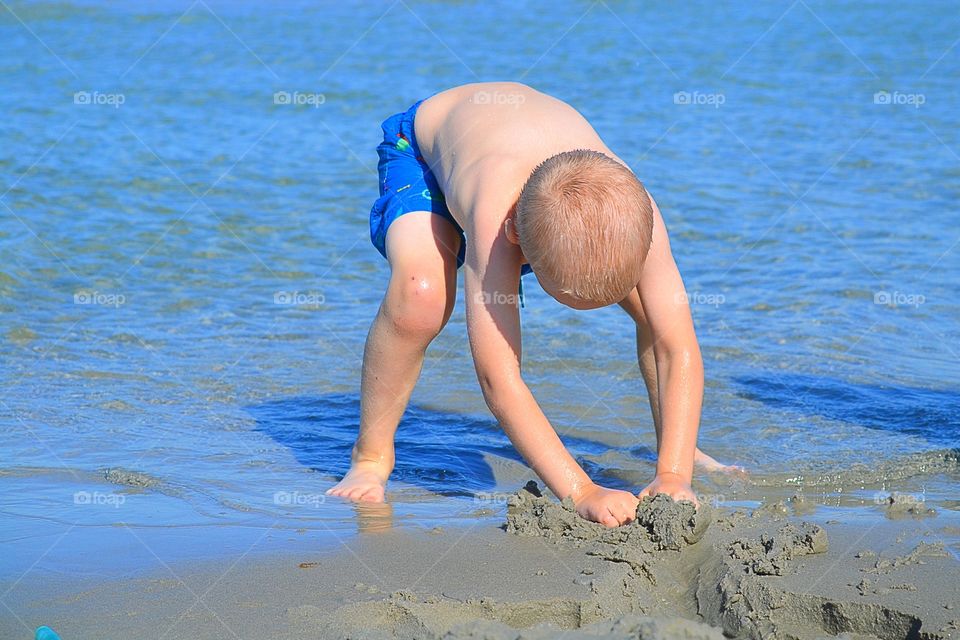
(341, 491)
(355, 493)
(729, 469)
(364, 493)
(373, 495)
(712, 465)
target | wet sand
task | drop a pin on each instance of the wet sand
(674, 573)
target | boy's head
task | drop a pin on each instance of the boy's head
(584, 224)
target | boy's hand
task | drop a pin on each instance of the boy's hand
(673, 485)
(609, 507)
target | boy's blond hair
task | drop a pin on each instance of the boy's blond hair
(585, 221)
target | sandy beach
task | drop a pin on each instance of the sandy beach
(779, 571)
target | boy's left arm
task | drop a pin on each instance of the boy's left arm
(679, 367)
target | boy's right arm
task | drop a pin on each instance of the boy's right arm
(492, 277)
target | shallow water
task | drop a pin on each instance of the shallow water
(152, 238)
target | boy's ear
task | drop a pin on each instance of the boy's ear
(510, 229)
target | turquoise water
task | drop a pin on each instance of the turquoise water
(161, 210)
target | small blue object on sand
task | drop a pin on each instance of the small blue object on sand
(46, 633)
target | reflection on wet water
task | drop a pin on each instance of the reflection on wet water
(374, 517)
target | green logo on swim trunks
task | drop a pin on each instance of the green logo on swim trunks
(430, 195)
(402, 144)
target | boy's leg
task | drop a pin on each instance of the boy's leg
(648, 367)
(422, 250)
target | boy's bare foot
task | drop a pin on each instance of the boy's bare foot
(365, 482)
(708, 463)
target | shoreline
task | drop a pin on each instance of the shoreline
(757, 573)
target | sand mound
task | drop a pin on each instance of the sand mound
(770, 554)
(661, 523)
(670, 574)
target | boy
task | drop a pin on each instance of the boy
(501, 178)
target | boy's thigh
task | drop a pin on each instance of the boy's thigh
(422, 237)
(422, 250)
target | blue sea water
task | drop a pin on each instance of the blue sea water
(187, 281)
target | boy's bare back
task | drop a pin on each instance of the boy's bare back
(483, 140)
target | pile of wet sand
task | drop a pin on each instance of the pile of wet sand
(676, 572)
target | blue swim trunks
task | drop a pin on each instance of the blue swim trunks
(406, 182)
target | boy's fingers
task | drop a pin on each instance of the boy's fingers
(618, 520)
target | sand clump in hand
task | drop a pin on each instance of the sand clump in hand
(660, 524)
(672, 525)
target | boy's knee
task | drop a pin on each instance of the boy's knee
(417, 306)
